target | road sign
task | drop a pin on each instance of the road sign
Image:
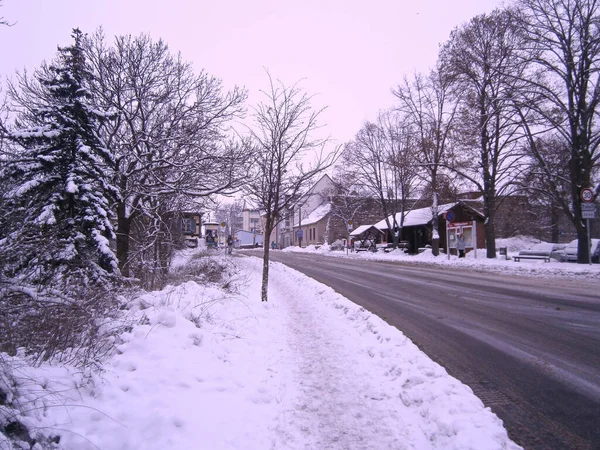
(587, 195)
(450, 216)
(299, 233)
(588, 214)
(588, 207)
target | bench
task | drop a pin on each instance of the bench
(372, 248)
(388, 248)
(520, 257)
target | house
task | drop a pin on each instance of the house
(313, 225)
(190, 226)
(310, 215)
(417, 229)
(251, 220)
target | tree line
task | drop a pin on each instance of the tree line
(102, 148)
(511, 107)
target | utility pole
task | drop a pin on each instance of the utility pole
(300, 232)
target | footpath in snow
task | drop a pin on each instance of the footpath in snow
(211, 369)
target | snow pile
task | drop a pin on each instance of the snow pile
(473, 261)
(218, 369)
(517, 243)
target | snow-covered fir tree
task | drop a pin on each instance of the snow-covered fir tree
(58, 205)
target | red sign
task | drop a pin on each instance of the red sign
(587, 195)
(460, 224)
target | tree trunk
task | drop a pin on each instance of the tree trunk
(490, 226)
(579, 180)
(435, 246)
(265, 275)
(554, 226)
(435, 220)
(583, 248)
(123, 233)
(490, 238)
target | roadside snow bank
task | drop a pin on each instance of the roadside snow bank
(473, 260)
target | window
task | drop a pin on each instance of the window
(188, 226)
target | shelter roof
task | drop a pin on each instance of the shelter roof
(363, 229)
(423, 216)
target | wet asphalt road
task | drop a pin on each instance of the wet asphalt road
(528, 347)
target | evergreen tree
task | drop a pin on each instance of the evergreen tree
(58, 224)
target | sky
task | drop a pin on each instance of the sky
(207, 368)
(348, 55)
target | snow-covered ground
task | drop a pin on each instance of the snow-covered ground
(476, 260)
(214, 368)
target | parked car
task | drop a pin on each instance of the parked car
(544, 249)
(570, 252)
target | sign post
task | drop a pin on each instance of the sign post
(449, 216)
(475, 239)
(588, 211)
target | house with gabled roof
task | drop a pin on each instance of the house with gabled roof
(313, 225)
(417, 231)
(309, 214)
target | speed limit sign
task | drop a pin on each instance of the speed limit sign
(587, 195)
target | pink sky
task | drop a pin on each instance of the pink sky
(348, 52)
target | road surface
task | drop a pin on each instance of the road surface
(528, 347)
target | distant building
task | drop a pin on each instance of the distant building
(251, 220)
(243, 238)
(310, 214)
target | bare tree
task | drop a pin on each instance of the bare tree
(427, 104)
(288, 157)
(230, 213)
(481, 58)
(170, 135)
(348, 204)
(563, 41)
(4, 21)
(547, 181)
(381, 157)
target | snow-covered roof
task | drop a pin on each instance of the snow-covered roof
(420, 216)
(360, 230)
(317, 214)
